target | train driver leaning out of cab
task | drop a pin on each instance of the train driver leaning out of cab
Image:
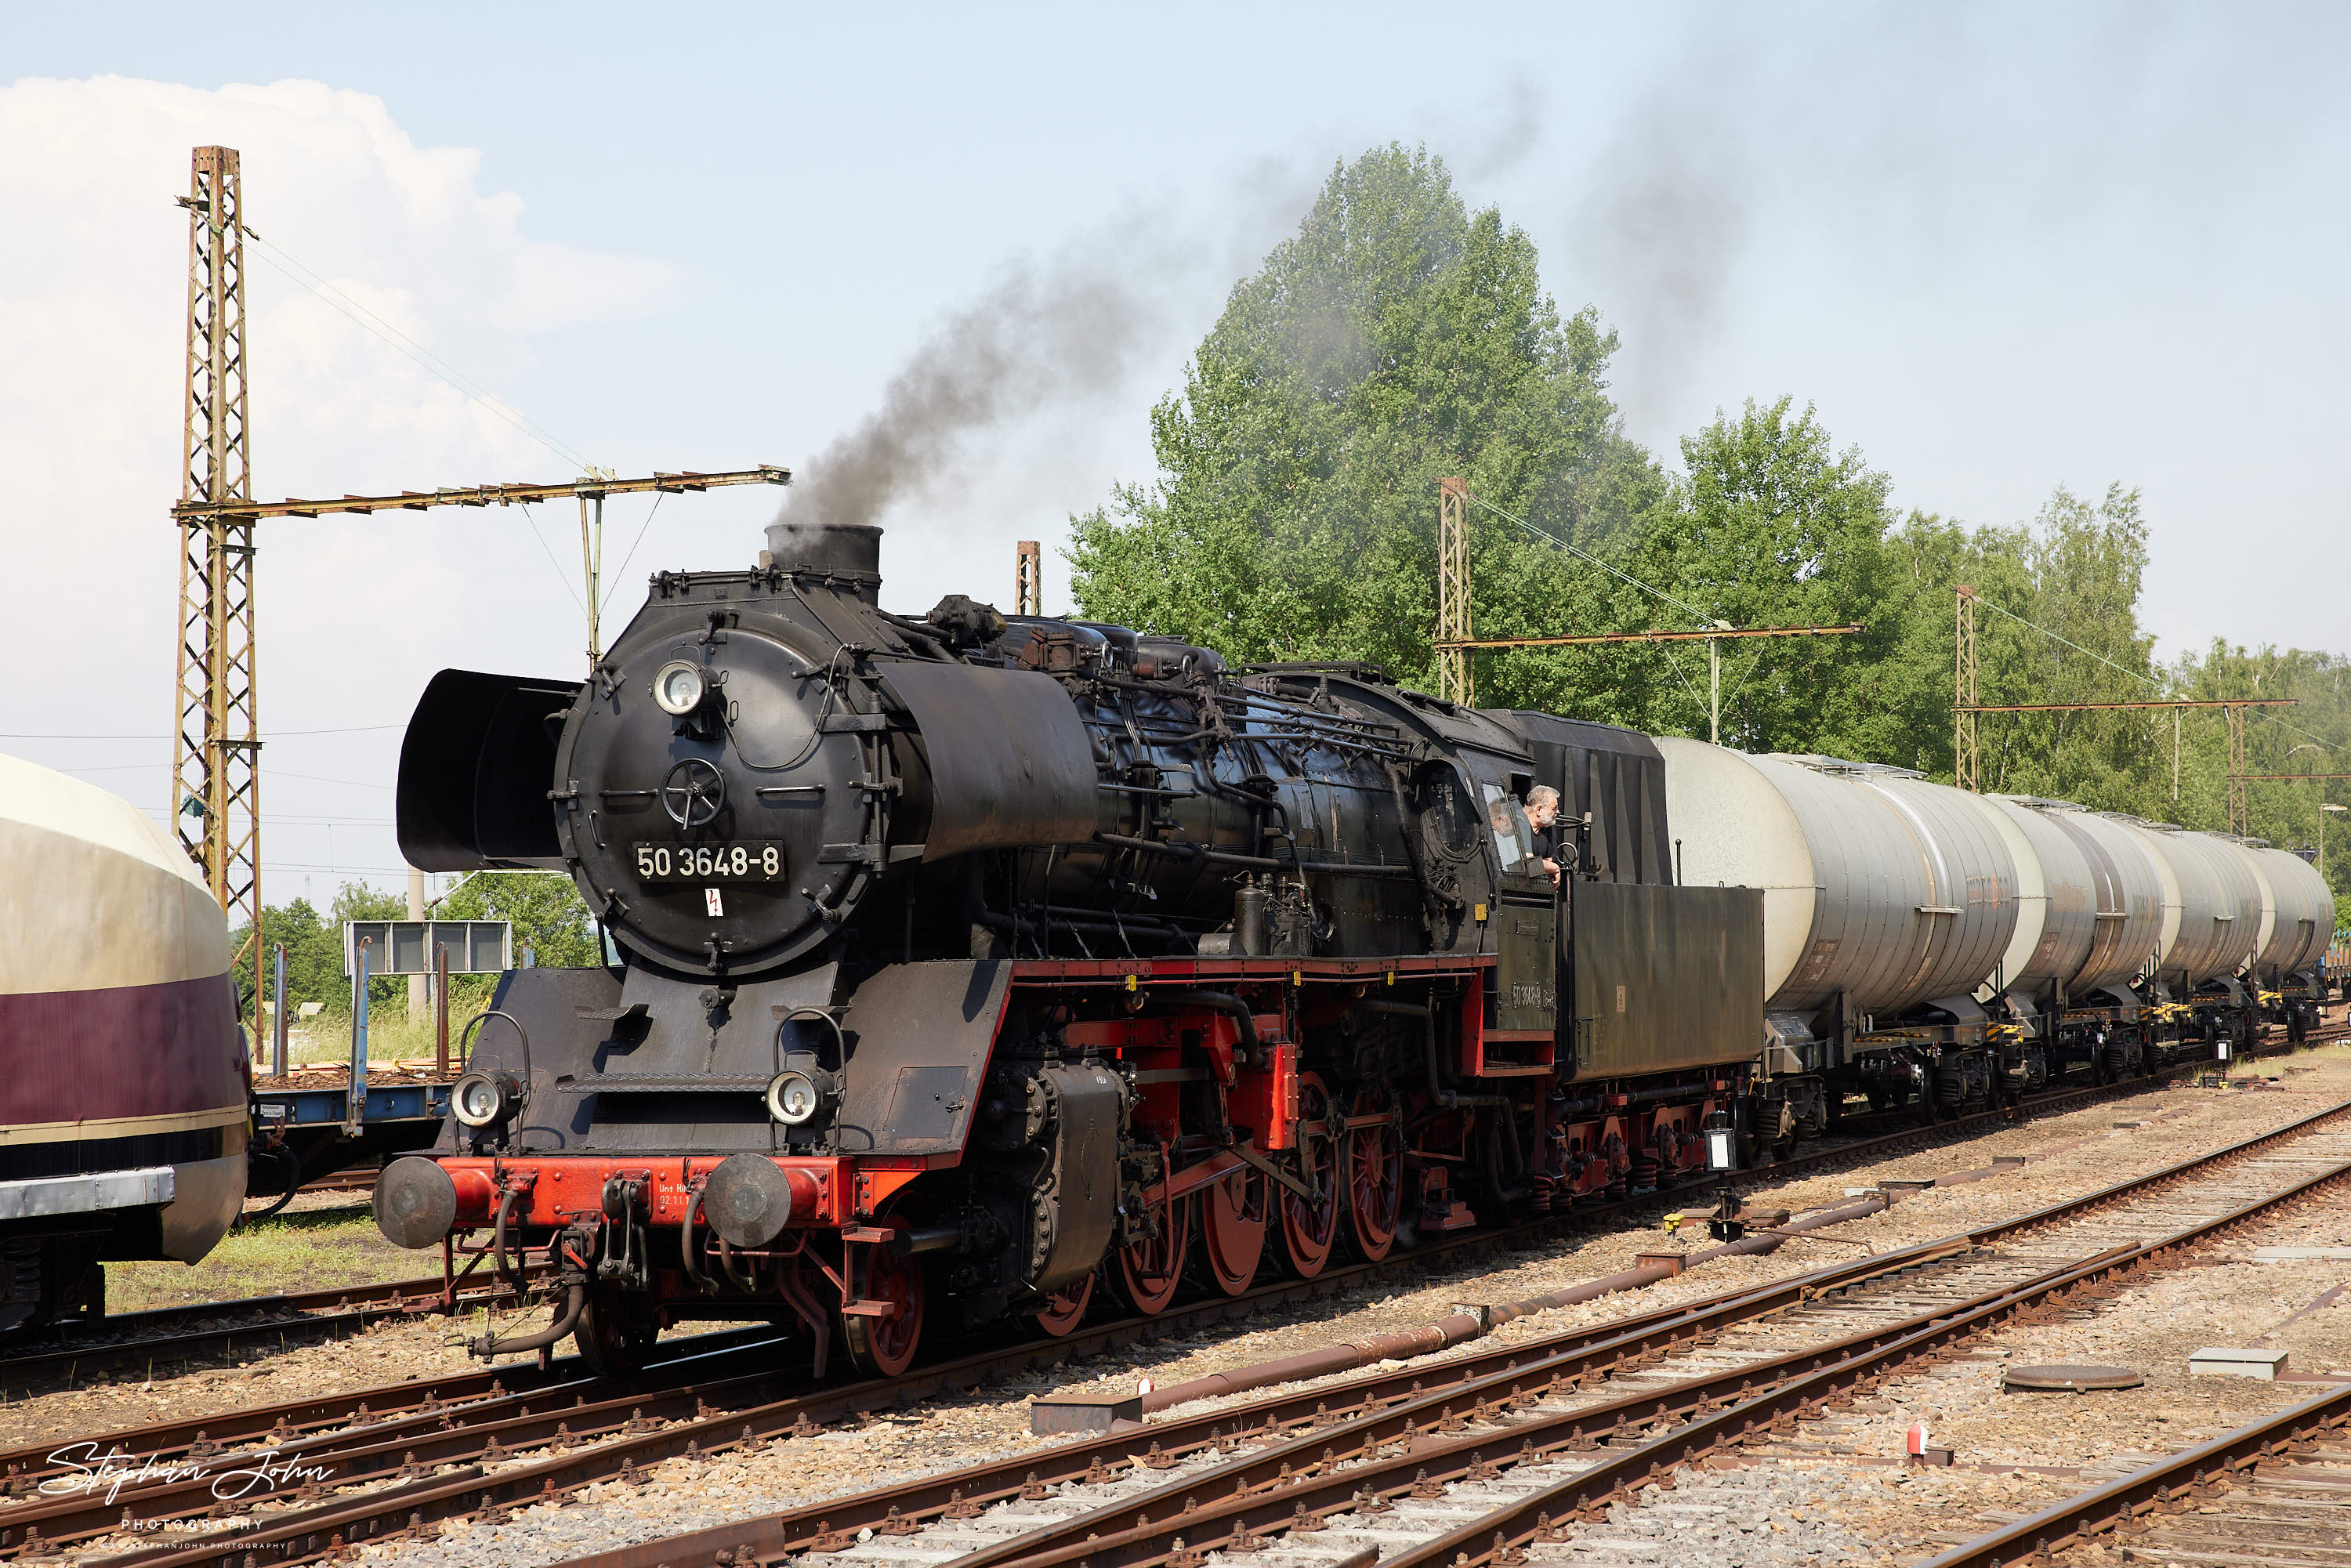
(1543, 812)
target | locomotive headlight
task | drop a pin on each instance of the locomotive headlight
(793, 1097)
(678, 687)
(483, 1100)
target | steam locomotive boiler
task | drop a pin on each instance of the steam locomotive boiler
(977, 964)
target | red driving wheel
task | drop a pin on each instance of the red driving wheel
(1062, 1311)
(1307, 1228)
(884, 1346)
(1149, 1271)
(1372, 1167)
(1232, 1229)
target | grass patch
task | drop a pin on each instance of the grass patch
(318, 1248)
(392, 1036)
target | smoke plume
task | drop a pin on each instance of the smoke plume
(1493, 145)
(1044, 332)
(1078, 324)
(1662, 233)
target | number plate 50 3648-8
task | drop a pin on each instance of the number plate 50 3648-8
(744, 861)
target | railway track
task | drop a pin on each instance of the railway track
(185, 1334)
(2277, 1491)
(523, 1410)
(521, 1441)
(1473, 1462)
(219, 1327)
(359, 1181)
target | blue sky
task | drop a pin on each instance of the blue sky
(2001, 248)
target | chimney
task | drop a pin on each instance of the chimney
(850, 550)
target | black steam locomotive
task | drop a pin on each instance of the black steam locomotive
(976, 963)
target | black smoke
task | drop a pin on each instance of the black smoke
(1044, 332)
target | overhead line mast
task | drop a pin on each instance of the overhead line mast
(1454, 641)
(1966, 749)
(216, 755)
(217, 758)
(1964, 709)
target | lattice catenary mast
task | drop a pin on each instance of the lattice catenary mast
(1964, 709)
(1455, 641)
(1452, 592)
(1027, 580)
(217, 761)
(1967, 751)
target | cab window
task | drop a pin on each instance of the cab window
(1514, 838)
(1448, 815)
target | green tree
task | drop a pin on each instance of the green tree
(1773, 526)
(551, 924)
(2310, 738)
(2082, 565)
(314, 944)
(1395, 340)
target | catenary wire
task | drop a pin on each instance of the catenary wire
(659, 496)
(2139, 675)
(531, 515)
(285, 262)
(1683, 605)
(1703, 617)
(277, 258)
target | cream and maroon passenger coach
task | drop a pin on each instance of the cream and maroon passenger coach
(123, 1071)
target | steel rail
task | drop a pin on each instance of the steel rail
(1262, 1502)
(1918, 1135)
(1298, 1422)
(378, 1405)
(779, 1416)
(785, 1416)
(384, 1407)
(830, 1525)
(167, 1332)
(375, 1449)
(495, 1428)
(366, 1518)
(1528, 1519)
(2187, 1477)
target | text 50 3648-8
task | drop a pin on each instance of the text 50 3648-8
(741, 862)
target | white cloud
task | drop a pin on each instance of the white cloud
(354, 611)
